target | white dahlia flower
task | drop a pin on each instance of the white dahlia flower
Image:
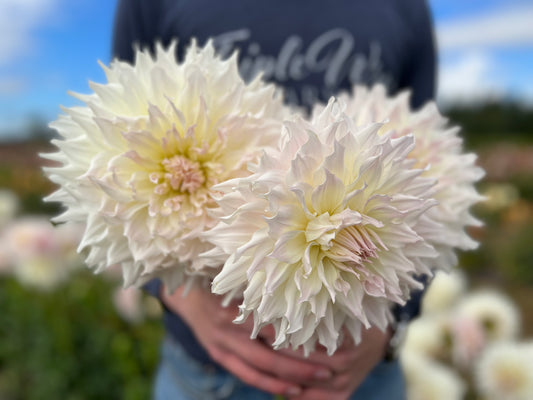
(139, 160)
(321, 237)
(41, 272)
(468, 340)
(41, 255)
(505, 371)
(29, 237)
(429, 380)
(430, 336)
(444, 291)
(439, 151)
(493, 311)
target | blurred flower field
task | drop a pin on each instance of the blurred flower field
(74, 335)
(68, 334)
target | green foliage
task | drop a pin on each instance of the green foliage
(70, 344)
(493, 122)
(524, 184)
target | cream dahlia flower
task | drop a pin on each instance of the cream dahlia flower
(321, 237)
(439, 151)
(41, 272)
(41, 256)
(29, 237)
(468, 340)
(444, 291)
(139, 160)
(505, 371)
(429, 380)
(493, 311)
(429, 336)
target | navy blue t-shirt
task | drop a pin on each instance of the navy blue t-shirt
(311, 48)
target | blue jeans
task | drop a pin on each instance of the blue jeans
(180, 377)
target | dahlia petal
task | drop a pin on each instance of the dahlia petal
(328, 196)
(289, 247)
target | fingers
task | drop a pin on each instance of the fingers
(320, 394)
(253, 361)
(235, 338)
(351, 365)
(252, 376)
(263, 358)
(267, 334)
(340, 387)
(349, 355)
(340, 361)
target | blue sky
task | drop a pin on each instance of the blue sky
(48, 47)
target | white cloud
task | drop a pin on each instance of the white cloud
(469, 78)
(18, 19)
(505, 27)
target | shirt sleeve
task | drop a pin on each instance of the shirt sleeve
(153, 287)
(421, 73)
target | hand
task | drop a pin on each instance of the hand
(350, 365)
(229, 344)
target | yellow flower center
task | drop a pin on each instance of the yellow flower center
(509, 377)
(179, 182)
(180, 175)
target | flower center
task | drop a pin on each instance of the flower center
(510, 378)
(354, 245)
(180, 175)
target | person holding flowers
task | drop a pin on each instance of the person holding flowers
(313, 50)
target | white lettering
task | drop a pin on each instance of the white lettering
(331, 54)
(289, 49)
(225, 42)
(333, 61)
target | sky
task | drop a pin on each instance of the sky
(50, 47)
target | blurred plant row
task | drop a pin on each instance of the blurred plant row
(68, 334)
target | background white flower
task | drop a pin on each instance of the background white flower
(468, 340)
(505, 371)
(429, 336)
(321, 236)
(444, 290)
(41, 255)
(456, 333)
(427, 379)
(30, 236)
(439, 150)
(138, 161)
(493, 311)
(41, 272)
